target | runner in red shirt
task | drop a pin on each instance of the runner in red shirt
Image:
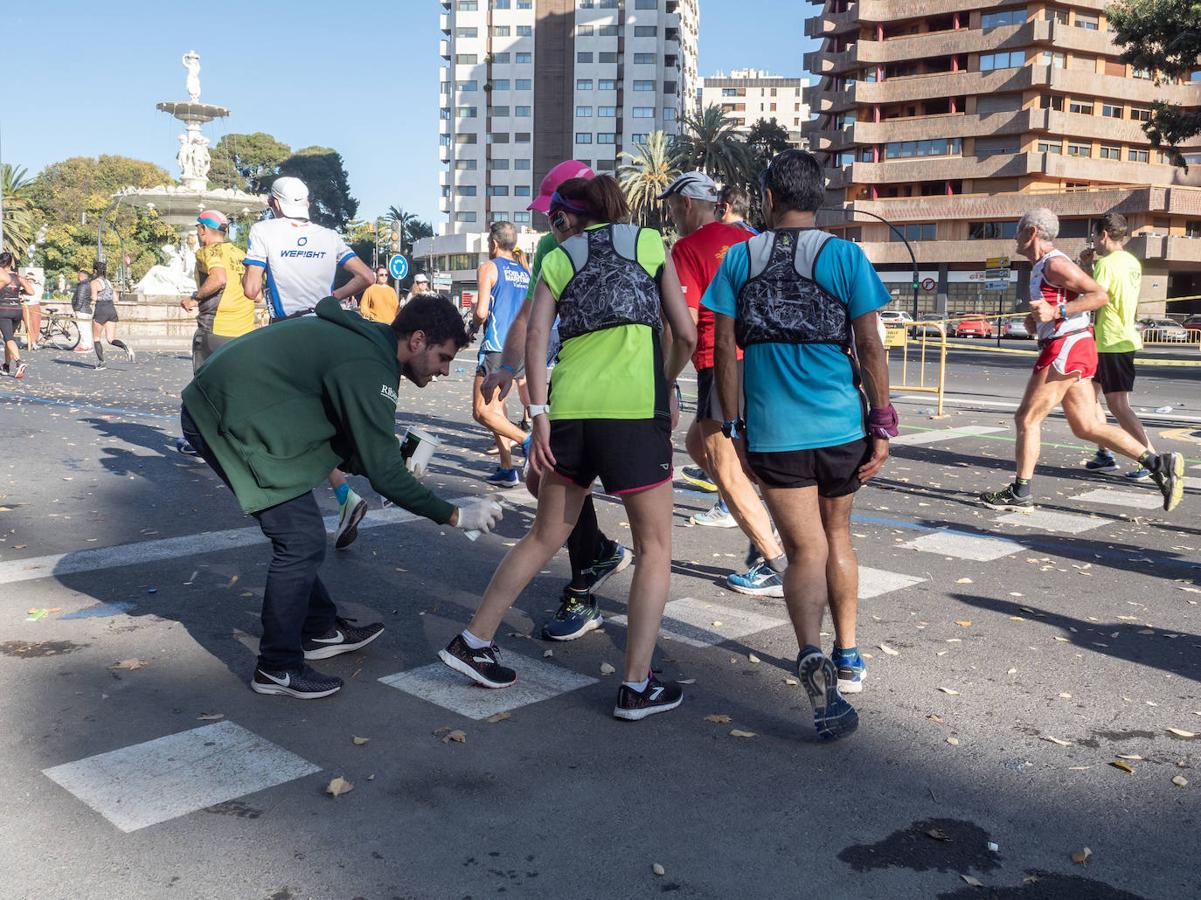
(692, 204)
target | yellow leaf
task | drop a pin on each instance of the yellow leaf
(359, 741)
(338, 786)
(887, 649)
(130, 664)
(953, 741)
(457, 736)
(718, 718)
(1080, 857)
(1180, 732)
(1124, 766)
(751, 657)
(607, 669)
(1180, 781)
(744, 734)
(964, 581)
(1057, 741)
(658, 870)
(499, 717)
(951, 691)
(964, 623)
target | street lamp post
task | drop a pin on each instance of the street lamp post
(897, 232)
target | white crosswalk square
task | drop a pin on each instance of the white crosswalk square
(874, 582)
(145, 784)
(536, 681)
(700, 624)
(1046, 520)
(1128, 499)
(943, 434)
(980, 548)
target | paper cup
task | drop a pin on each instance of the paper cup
(418, 448)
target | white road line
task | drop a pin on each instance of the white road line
(1045, 520)
(944, 434)
(440, 685)
(979, 548)
(875, 582)
(1013, 404)
(142, 552)
(701, 624)
(145, 784)
(1128, 499)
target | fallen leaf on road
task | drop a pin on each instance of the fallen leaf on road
(1125, 767)
(751, 657)
(1059, 742)
(210, 717)
(658, 870)
(953, 741)
(1133, 756)
(964, 581)
(964, 623)
(1011, 671)
(887, 649)
(1062, 639)
(499, 717)
(1180, 732)
(685, 681)
(359, 741)
(457, 736)
(607, 669)
(1065, 696)
(130, 664)
(1180, 781)
(717, 624)
(935, 718)
(1080, 857)
(745, 734)
(951, 691)
(791, 681)
(338, 786)
(546, 654)
(974, 882)
(938, 834)
(719, 718)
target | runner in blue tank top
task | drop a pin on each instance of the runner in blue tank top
(503, 282)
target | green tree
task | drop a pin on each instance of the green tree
(70, 246)
(66, 191)
(20, 215)
(321, 168)
(247, 162)
(766, 138)
(645, 174)
(1164, 37)
(709, 141)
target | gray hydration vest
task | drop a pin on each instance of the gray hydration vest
(780, 302)
(609, 286)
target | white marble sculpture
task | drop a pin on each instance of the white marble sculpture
(191, 62)
(169, 279)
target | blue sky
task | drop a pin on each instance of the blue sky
(359, 77)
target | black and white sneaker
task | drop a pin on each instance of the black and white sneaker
(1169, 476)
(607, 566)
(658, 697)
(833, 717)
(481, 666)
(304, 683)
(344, 637)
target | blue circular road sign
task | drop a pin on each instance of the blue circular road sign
(398, 266)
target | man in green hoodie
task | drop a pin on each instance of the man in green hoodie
(273, 412)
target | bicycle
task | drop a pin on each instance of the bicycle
(61, 325)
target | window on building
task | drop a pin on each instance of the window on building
(1074, 228)
(468, 6)
(521, 190)
(1048, 147)
(669, 87)
(1080, 149)
(1110, 152)
(607, 112)
(606, 84)
(464, 217)
(521, 164)
(1140, 113)
(583, 31)
(583, 56)
(644, 112)
(639, 138)
(1111, 110)
(502, 4)
(1145, 74)
(525, 4)
(467, 32)
(501, 84)
(525, 58)
(991, 20)
(1138, 155)
(498, 190)
(992, 231)
(914, 231)
(500, 138)
(1115, 68)
(583, 112)
(1081, 107)
(500, 112)
(500, 165)
(644, 59)
(1087, 21)
(1055, 59)
(524, 84)
(521, 218)
(501, 59)
(583, 137)
(606, 138)
(608, 31)
(1076, 186)
(644, 85)
(605, 165)
(522, 111)
(1004, 60)
(465, 165)
(521, 137)
(669, 114)
(466, 59)
(583, 84)
(646, 4)
(1052, 14)
(729, 92)
(500, 30)
(996, 146)
(932, 147)
(444, 113)
(468, 138)
(607, 57)
(646, 31)
(1050, 101)
(465, 112)
(465, 190)
(525, 30)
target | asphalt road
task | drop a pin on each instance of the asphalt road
(989, 635)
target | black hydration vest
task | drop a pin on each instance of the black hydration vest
(780, 302)
(610, 287)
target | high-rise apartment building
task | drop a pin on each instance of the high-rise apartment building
(529, 83)
(751, 95)
(950, 118)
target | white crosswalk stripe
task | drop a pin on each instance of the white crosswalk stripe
(1128, 499)
(1047, 520)
(942, 435)
(700, 623)
(981, 548)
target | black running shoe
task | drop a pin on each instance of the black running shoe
(1006, 499)
(833, 717)
(658, 697)
(481, 666)
(304, 683)
(344, 637)
(601, 570)
(1169, 475)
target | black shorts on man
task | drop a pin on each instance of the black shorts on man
(834, 470)
(489, 362)
(1115, 372)
(627, 455)
(708, 404)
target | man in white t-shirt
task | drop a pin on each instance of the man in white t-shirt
(299, 262)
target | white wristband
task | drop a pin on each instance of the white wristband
(539, 409)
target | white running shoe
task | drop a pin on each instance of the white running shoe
(350, 514)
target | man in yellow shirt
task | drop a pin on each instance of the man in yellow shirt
(1120, 274)
(379, 303)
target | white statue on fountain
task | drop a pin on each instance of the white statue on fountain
(191, 62)
(168, 280)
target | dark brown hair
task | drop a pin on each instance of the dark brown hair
(601, 197)
(1114, 225)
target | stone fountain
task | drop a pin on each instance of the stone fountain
(178, 205)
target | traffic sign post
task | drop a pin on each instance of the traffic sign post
(996, 273)
(398, 267)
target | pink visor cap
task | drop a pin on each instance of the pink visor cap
(555, 177)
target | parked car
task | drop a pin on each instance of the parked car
(1162, 329)
(1016, 329)
(1192, 323)
(895, 318)
(981, 328)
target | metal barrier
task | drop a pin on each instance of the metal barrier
(899, 337)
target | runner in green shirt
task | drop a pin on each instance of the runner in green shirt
(1120, 273)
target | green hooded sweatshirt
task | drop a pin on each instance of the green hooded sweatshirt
(282, 406)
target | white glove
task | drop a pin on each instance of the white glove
(479, 516)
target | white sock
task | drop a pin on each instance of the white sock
(472, 641)
(638, 686)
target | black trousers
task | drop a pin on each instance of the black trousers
(296, 604)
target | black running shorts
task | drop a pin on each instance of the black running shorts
(105, 313)
(1115, 372)
(708, 405)
(834, 470)
(489, 362)
(627, 455)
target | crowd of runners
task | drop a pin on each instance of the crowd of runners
(792, 413)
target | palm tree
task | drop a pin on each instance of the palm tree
(19, 214)
(710, 141)
(645, 175)
(408, 226)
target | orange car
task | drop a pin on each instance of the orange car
(981, 328)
